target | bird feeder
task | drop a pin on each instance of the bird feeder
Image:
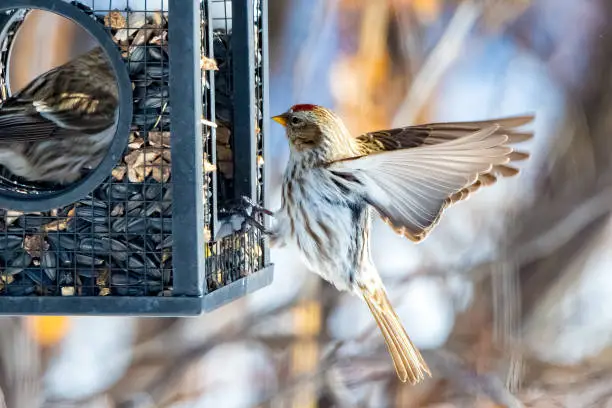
(149, 234)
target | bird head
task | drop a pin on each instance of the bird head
(313, 128)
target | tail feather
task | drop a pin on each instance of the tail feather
(409, 364)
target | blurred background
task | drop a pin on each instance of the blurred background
(510, 298)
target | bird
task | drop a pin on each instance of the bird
(62, 122)
(335, 183)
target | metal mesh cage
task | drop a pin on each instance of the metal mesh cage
(238, 47)
(147, 240)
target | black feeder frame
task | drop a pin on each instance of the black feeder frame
(159, 245)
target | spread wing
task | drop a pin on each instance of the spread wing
(411, 187)
(435, 133)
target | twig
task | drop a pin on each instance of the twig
(506, 318)
(566, 228)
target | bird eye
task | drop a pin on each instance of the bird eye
(295, 120)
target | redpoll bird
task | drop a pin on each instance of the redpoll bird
(334, 181)
(61, 123)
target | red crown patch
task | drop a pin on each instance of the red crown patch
(303, 107)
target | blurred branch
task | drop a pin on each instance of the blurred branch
(447, 365)
(162, 385)
(506, 301)
(566, 228)
(437, 63)
(20, 373)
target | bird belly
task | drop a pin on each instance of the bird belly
(323, 231)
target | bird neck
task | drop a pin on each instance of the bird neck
(326, 151)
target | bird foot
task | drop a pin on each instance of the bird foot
(249, 210)
(256, 208)
(243, 215)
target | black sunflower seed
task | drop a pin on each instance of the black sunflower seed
(149, 117)
(154, 98)
(38, 276)
(135, 202)
(141, 82)
(49, 264)
(100, 229)
(134, 212)
(32, 222)
(14, 230)
(153, 191)
(10, 242)
(92, 201)
(22, 286)
(128, 285)
(92, 214)
(78, 225)
(156, 54)
(152, 208)
(64, 258)
(18, 263)
(122, 191)
(136, 61)
(133, 225)
(62, 241)
(105, 246)
(143, 266)
(166, 243)
(82, 259)
(158, 72)
(94, 245)
(161, 224)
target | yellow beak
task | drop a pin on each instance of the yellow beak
(282, 119)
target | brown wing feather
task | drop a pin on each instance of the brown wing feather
(436, 133)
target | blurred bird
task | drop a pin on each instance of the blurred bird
(409, 176)
(61, 122)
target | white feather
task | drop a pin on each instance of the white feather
(409, 186)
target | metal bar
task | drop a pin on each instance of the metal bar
(186, 147)
(266, 118)
(210, 76)
(101, 305)
(243, 55)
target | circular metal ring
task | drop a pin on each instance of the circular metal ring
(48, 200)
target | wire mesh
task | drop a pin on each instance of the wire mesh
(241, 254)
(118, 240)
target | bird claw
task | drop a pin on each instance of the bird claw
(249, 209)
(246, 211)
(256, 207)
